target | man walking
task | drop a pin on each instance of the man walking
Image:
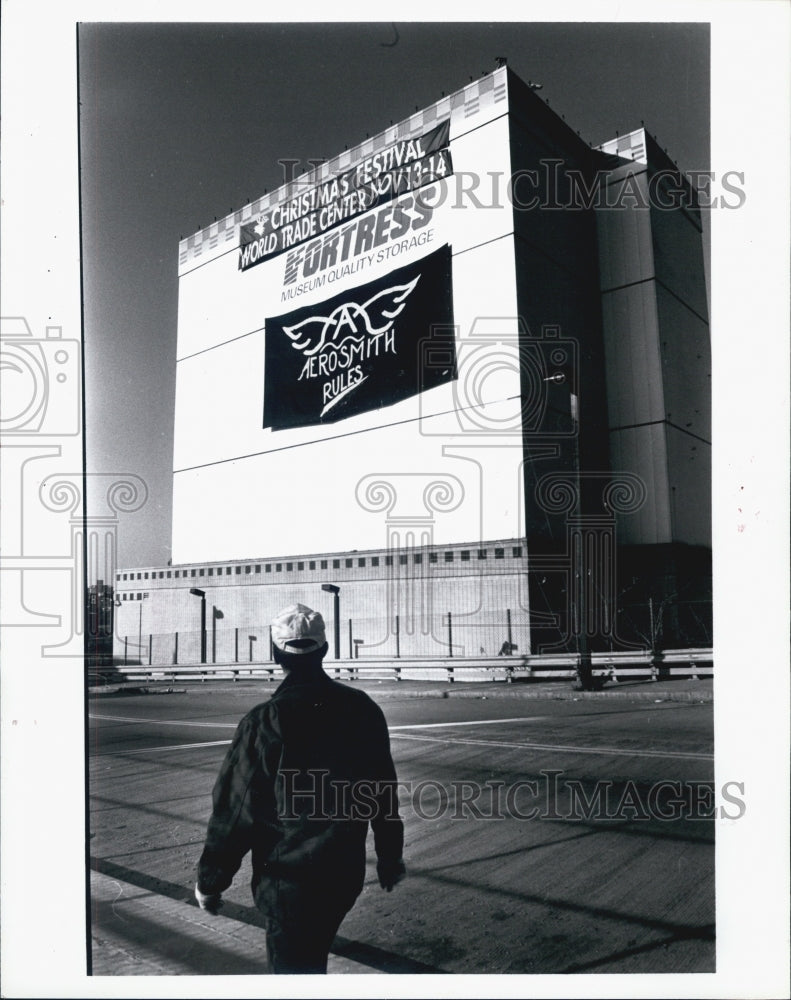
(306, 773)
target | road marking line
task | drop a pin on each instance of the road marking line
(164, 722)
(611, 751)
(606, 751)
(232, 725)
(180, 746)
(476, 722)
(398, 733)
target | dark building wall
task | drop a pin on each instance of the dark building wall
(626, 284)
(669, 587)
(557, 286)
(656, 341)
(566, 471)
(658, 356)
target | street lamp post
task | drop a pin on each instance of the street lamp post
(140, 629)
(578, 610)
(585, 664)
(215, 614)
(202, 594)
(330, 588)
(116, 603)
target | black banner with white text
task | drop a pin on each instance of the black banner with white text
(367, 347)
(401, 167)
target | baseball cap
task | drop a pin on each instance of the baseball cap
(298, 629)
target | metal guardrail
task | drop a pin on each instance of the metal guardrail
(606, 667)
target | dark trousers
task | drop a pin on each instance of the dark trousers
(301, 945)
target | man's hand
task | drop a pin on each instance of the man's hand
(390, 873)
(210, 902)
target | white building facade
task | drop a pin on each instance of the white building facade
(454, 371)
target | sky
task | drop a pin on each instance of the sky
(183, 123)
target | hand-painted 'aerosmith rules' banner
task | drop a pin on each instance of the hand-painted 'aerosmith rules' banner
(368, 347)
(403, 166)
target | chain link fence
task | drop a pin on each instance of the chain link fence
(648, 625)
(429, 636)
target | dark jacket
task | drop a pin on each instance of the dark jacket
(306, 773)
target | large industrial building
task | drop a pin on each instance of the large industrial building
(458, 373)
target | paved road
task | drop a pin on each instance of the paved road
(542, 836)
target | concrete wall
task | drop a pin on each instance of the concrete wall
(419, 588)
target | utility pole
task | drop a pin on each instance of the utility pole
(578, 609)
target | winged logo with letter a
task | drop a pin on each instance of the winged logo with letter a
(374, 318)
(362, 349)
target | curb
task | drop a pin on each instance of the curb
(648, 691)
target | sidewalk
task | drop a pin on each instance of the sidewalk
(681, 689)
(139, 932)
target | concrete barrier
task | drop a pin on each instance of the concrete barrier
(560, 666)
